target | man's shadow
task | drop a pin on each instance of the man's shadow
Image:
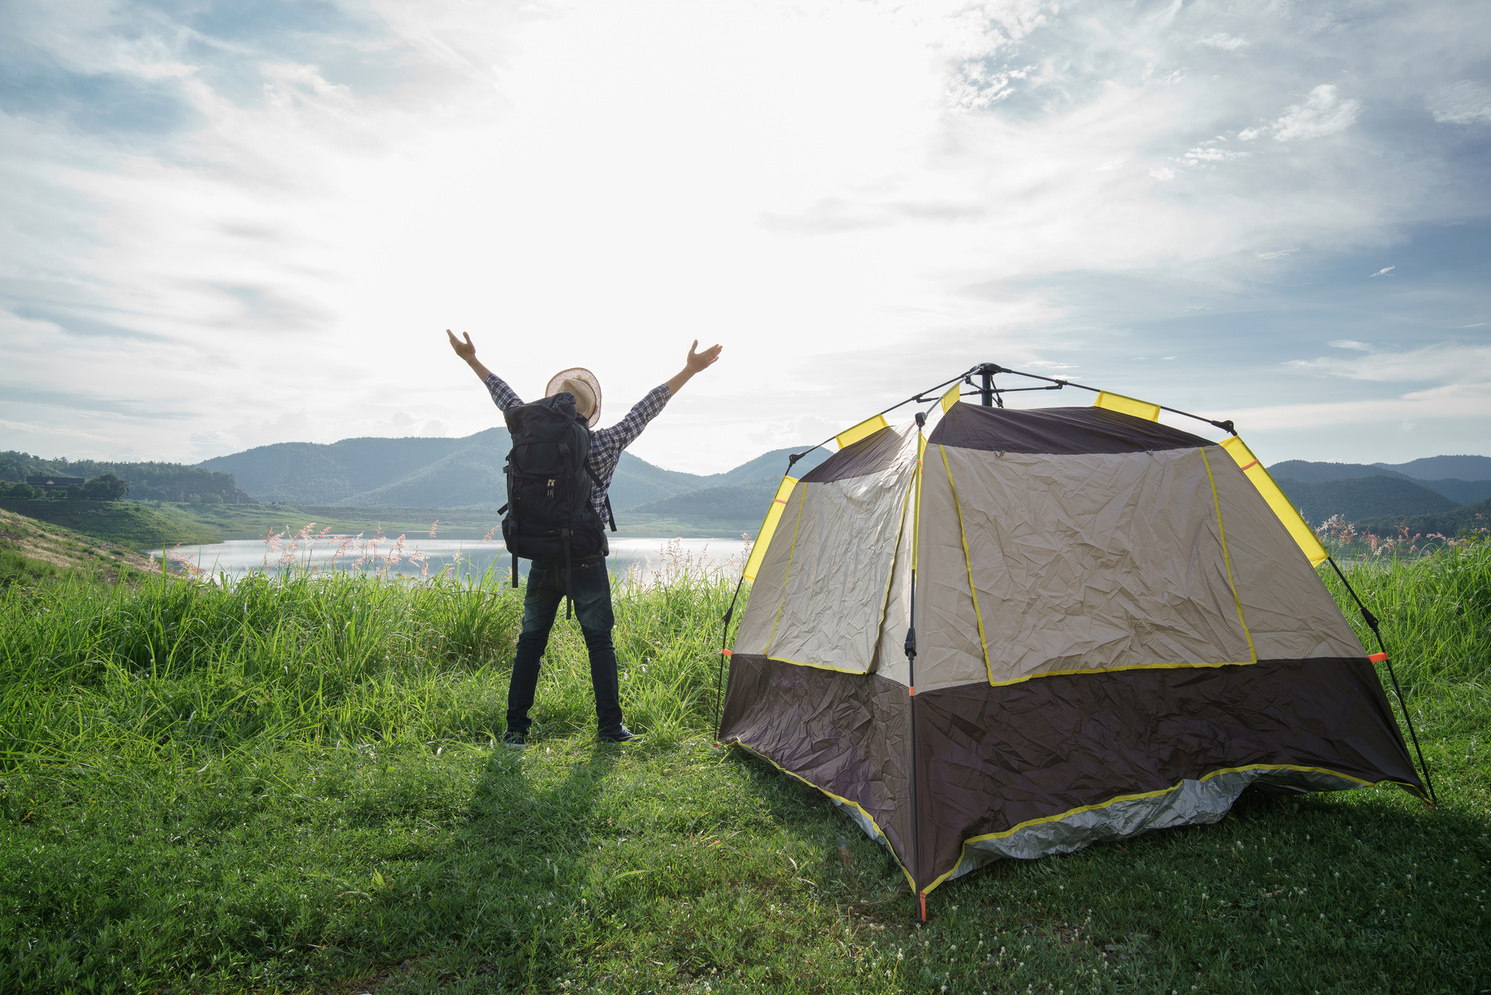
(517, 883)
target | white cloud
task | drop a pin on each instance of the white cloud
(1445, 363)
(1350, 344)
(1465, 102)
(1451, 402)
(1225, 42)
(1322, 113)
(1277, 253)
(1198, 156)
(1385, 271)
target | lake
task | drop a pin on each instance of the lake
(422, 558)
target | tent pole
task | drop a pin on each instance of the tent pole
(719, 683)
(921, 896)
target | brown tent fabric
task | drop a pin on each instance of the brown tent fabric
(1114, 633)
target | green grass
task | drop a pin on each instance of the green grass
(17, 568)
(293, 787)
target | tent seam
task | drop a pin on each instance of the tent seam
(791, 555)
(890, 579)
(1227, 556)
(815, 666)
(1119, 670)
(978, 616)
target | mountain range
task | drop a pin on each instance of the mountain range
(1365, 493)
(467, 473)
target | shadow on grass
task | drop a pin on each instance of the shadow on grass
(853, 870)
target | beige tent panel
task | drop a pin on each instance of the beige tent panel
(820, 595)
(1095, 562)
(890, 651)
(949, 648)
(1291, 615)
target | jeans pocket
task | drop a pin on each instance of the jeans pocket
(592, 594)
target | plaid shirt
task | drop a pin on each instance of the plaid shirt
(606, 444)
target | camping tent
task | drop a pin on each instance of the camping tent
(1030, 630)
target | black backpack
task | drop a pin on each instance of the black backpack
(549, 516)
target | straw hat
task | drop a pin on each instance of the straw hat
(586, 388)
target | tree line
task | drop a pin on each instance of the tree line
(108, 481)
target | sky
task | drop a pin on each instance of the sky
(226, 225)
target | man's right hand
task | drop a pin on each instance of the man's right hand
(466, 350)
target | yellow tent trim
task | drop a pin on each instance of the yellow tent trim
(838, 798)
(864, 429)
(818, 666)
(1128, 798)
(1227, 556)
(951, 397)
(1287, 514)
(768, 527)
(968, 565)
(1119, 670)
(1128, 406)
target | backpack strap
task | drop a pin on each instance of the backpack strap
(610, 515)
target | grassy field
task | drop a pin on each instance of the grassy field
(294, 787)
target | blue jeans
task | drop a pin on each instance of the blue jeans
(590, 585)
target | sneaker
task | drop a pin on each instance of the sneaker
(621, 734)
(513, 740)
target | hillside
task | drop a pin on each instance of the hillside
(121, 523)
(33, 550)
(1364, 497)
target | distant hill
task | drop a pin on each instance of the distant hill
(467, 473)
(315, 474)
(1362, 497)
(1443, 468)
(1461, 491)
(1308, 472)
(1358, 491)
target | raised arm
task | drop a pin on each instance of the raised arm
(697, 361)
(467, 351)
(502, 395)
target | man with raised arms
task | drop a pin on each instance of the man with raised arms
(586, 580)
